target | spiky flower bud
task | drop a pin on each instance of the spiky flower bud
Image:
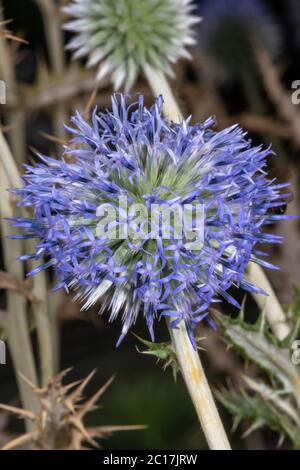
(125, 35)
(138, 262)
(230, 29)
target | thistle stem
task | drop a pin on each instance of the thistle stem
(198, 387)
(55, 41)
(40, 308)
(270, 305)
(160, 86)
(15, 115)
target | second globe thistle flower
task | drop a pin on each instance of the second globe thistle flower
(135, 153)
(124, 36)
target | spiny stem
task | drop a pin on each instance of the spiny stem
(198, 387)
(13, 180)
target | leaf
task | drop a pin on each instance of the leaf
(253, 342)
(268, 394)
(259, 413)
(276, 405)
(162, 351)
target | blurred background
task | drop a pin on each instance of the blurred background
(243, 71)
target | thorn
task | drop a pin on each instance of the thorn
(68, 387)
(75, 396)
(30, 384)
(19, 441)
(25, 414)
(61, 375)
(79, 425)
(86, 407)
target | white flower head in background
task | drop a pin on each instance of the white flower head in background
(123, 36)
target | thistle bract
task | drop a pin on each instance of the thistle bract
(230, 31)
(125, 35)
(132, 157)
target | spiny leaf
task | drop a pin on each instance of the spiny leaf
(253, 342)
(259, 413)
(162, 351)
(281, 401)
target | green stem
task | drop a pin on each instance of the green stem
(55, 40)
(17, 328)
(15, 117)
(45, 327)
(40, 307)
(160, 86)
(270, 305)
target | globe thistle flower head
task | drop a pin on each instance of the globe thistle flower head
(133, 156)
(123, 36)
(229, 30)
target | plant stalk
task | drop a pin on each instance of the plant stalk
(270, 305)
(15, 115)
(40, 307)
(198, 387)
(160, 86)
(17, 328)
(55, 41)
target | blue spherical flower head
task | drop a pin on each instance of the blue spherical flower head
(230, 31)
(119, 223)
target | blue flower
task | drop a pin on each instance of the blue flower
(132, 155)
